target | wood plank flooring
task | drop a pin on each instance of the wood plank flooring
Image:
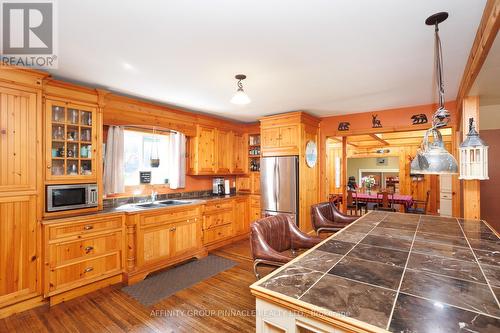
(222, 303)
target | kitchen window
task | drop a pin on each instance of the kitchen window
(139, 148)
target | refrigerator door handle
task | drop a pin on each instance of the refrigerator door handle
(276, 175)
(278, 184)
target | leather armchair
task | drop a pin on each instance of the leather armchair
(326, 217)
(271, 236)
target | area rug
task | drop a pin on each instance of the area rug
(166, 283)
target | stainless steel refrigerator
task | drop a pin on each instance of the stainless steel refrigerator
(279, 185)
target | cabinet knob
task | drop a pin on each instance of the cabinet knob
(89, 248)
(172, 229)
(88, 269)
(88, 227)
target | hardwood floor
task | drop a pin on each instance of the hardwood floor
(222, 303)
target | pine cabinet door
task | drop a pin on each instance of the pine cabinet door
(224, 152)
(186, 236)
(206, 150)
(18, 249)
(241, 217)
(240, 154)
(18, 140)
(271, 137)
(71, 140)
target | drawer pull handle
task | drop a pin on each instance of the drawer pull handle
(89, 248)
(88, 227)
(88, 269)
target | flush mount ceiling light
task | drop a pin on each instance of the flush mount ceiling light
(240, 97)
(432, 157)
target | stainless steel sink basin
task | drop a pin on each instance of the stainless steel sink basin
(149, 205)
(173, 202)
(163, 203)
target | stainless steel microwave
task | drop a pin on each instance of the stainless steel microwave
(67, 197)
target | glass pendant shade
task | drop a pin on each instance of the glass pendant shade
(433, 158)
(240, 97)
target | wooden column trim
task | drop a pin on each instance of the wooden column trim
(485, 35)
(343, 180)
(471, 188)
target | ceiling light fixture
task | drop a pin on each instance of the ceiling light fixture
(432, 157)
(240, 97)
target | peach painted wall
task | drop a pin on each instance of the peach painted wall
(392, 120)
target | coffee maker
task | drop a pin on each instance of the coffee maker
(218, 186)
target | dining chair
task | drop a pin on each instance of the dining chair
(419, 206)
(386, 202)
(335, 200)
(353, 203)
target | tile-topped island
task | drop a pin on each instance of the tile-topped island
(389, 272)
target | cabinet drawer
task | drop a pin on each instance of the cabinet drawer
(78, 273)
(169, 217)
(214, 220)
(62, 252)
(219, 206)
(84, 227)
(254, 202)
(216, 234)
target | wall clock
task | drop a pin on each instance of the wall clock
(311, 154)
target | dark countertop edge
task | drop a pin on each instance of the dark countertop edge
(270, 295)
(131, 210)
(290, 303)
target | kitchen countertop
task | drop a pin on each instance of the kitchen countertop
(133, 208)
(398, 272)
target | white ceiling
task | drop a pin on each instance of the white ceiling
(328, 57)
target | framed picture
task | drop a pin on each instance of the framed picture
(381, 161)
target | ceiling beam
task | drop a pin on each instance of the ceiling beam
(340, 140)
(382, 141)
(485, 35)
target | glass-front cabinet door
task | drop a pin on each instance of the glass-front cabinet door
(71, 141)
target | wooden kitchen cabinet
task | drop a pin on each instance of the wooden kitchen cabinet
(240, 154)
(280, 135)
(165, 235)
(241, 221)
(217, 152)
(224, 146)
(218, 221)
(81, 251)
(254, 208)
(206, 150)
(249, 183)
(18, 255)
(19, 133)
(71, 132)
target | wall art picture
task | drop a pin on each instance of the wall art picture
(344, 126)
(418, 119)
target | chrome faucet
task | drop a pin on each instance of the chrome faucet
(153, 196)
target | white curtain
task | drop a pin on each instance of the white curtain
(177, 167)
(113, 163)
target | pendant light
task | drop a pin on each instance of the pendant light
(473, 156)
(432, 157)
(240, 97)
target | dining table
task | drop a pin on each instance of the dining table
(398, 199)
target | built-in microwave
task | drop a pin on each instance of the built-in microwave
(67, 197)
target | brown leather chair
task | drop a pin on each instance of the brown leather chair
(272, 235)
(326, 217)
